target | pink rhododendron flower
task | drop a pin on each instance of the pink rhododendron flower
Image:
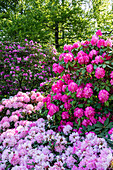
(94, 40)
(14, 159)
(68, 47)
(65, 115)
(111, 75)
(52, 109)
(64, 98)
(76, 45)
(1, 108)
(99, 33)
(99, 59)
(99, 73)
(79, 92)
(72, 87)
(87, 92)
(89, 68)
(67, 106)
(108, 43)
(92, 53)
(86, 122)
(111, 81)
(78, 112)
(89, 112)
(100, 43)
(29, 107)
(57, 68)
(68, 57)
(103, 96)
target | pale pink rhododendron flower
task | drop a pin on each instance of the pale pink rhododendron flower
(103, 95)
(108, 43)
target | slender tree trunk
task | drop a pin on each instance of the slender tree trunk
(56, 35)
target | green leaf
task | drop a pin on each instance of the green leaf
(104, 65)
(110, 125)
(107, 88)
(98, 129)
(106, 122)
(80, 105)
(107, 103)
(98, 124)
(83, 71)
(95, 66)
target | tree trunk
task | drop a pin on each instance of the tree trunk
(56, 35)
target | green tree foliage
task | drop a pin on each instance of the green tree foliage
(55, 21)
(101, 14)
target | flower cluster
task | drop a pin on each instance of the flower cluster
(30, 146)
(19, 107)
(83, 93)
(24, 66)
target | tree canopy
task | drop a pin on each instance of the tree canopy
(55, 21)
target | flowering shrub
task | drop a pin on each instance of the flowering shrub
(83, 96)
(24, 66)
(22, 106)
(32, 145)
(72, 127)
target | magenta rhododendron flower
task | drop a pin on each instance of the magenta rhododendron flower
(111, 81)
(94, 40)
(103, 96)
(79, 93)
(89, 68)
(82, 57)
(87, 92)
(76, 45)
(99, 59)
(65, 115)
(111, 75)
(57, 68)
(64, 98)
(99, 33)
(52, 109)
(72, 87)
(100, 43)
(68, 47)
(78, 112)
(93, 53)
(67, 106)
(89, 112)
(68, 57)
(99, 73)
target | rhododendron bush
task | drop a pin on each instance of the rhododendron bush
(83, 96)
(23, 66)
(71, 127)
